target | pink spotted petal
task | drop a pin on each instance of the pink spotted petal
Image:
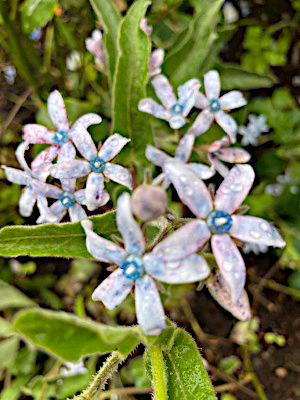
(87, 120)
(234, 189)
(94, 190)
(228, 124)
(70, 169)
(83, 142)
(164, 91)
(202, 123)
(27, 202)
(234, 155)
(150, 106)
(113, 290)
(20, 154)
(15, 175)
(191, 190)
(255, 230)
(230, 263)
(129, 229)
(233, 99)
(201, 170)
(212, 85)
(149, 310)
(66, 152)
(45, 156)
(201, 101)
(112, 146)
(185, 147)
(118, 174)
(183, 242)
(156, 156)
(100, 248)
(57, 111)
(34, 133)
(77, 213)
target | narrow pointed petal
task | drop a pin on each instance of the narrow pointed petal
(187, 95)
(255, 230)
(87, 120)
(201, 170)
(77, 213)
(150, 106)
(68, 185)
(185, 148)
(164, 91)
(15, 175)
(155, 60)
(20, 154)
(113, 290)
(100, 248)
(227, 123)
(218, 166)
(80, 196)
(27, 202)
(191, 190)
(230, 263)
(70, 169)
(46, 215)
(45, 156)
(149, 310)
(183, 242)
(112, 146)
(129, 229)
(66, 152)
(83, 141)
(190, 269)
(234, 189)
(105, 198)
(94, 190)
(234, 155)
(202, 123)
(45, 189)
(212, 85)
(59, 210)
(34, 133)
(118, 174)
(241, 309)
(156, 156)
(233, 99)
(57, 111)
(201, 101)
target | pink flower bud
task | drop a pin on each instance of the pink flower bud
(148, 202)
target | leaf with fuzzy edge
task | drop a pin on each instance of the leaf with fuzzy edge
(11, 297)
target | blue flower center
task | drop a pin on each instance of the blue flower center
(132, 268)
(97, 164)
(61, 137)
(214, 105)
(177, 108)
(219, 222)
(67, 200)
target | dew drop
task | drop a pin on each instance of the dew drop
(264, 226)
(236, 187)
(255, 234)
(225, 189)
(188, 191)
(114, 142)
(227, 266)
(183, 178)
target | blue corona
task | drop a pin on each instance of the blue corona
(132, 268)
(97, 164)
(219, 222)
(67, 200)
(177, 108)
(61, 137)
(214, 105)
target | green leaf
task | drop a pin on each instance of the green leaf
(186, 376)
(236, 77)
(10, 297)
(131, 79)
(59, 240)
(110, 18)
(185, 61)
(5, 328)
(70, 337)
(37, 13)
(8, 350)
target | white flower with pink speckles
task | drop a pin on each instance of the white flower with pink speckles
(172, 260)
(220, 222)
(214, 107)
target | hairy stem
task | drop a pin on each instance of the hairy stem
(159, 379)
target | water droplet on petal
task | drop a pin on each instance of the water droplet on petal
(225, 189)
(188, 191)
(227, 266)
(183, 178)
(264, 226)
(255, 234)
(236, 187)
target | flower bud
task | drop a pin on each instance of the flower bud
(148, 202)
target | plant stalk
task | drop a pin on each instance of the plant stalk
(159, 378)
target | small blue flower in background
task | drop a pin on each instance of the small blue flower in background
(173, 260)
(256, 126)
(10, 74)
(36, 34)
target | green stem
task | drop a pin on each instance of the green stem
(159, 379)
(248, 368)
(109, 367)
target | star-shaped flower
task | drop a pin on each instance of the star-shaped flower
(95, 45)
(213, 107)
(173, 260)
(221, 222)
(61, 140)
(220, 151)
(183, 152)
(95, 165)
(174, 111)
(256, 126)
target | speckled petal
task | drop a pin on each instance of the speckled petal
(255, 230)
(15, 175)
(45, 189)
(191, 190)
(94, 190)
(201, 101)
(27, 202)
(190, 269)
(201, 170)
(184, 148)
(149, 310)
(218, 166)
(87, 120)
(212, 85)
(66, 152)
(20, 154)
(177, 121)
(100, 248)
(77, 213)
(233, 99)
(183, 242)
(118, 174)
(227, 123)
(112, 146)
(231, 264)
(34, 133)
(113, 290)
(234, 155)
(164, 91)
(234, 189)
(150, 106)
(57, 111)
(156, 156)
(70, 169)
(187, 95)
(202, 123)
(45, 156)
(46, 215)
(83, 142)
(241, 309)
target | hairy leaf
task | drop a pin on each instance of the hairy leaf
(37, 13)
(10, 297)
